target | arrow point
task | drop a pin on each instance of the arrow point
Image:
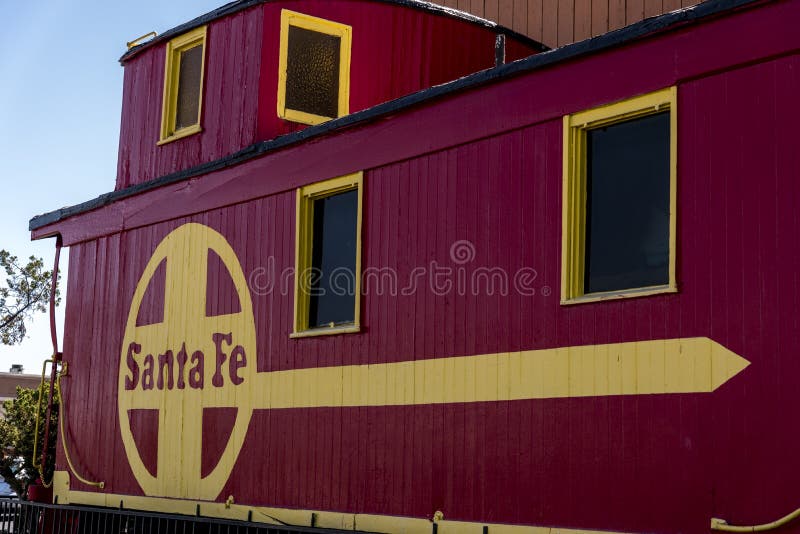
(725, 364)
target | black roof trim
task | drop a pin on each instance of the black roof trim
(596, 44)
(240, 5)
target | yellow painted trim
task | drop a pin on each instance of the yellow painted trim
(673, 187)
(566, 225)
(344, 32)
(303, 241)
(722, 525)
(138, 40)
(623, 294)
(172, 65)
(573, 219)
(180, 134)
(332, 331)
(383, 524)
(300, 255)
(61, 486)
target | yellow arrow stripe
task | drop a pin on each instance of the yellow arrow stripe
(688, 365)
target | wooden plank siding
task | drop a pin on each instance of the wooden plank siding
(242, 64)
(560, 22)
(395, 51)
(414, 460)
(456, 170)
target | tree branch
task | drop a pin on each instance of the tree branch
(15, 315)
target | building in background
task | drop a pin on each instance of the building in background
(16, 377)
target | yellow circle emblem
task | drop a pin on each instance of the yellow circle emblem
(186, 363)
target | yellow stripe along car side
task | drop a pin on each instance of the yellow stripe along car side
(687, 365)
(285, 516)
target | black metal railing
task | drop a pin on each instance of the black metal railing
(24, 517)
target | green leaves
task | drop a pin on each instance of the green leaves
(26, 291)
(17, 432)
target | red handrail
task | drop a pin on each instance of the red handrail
(56, 355)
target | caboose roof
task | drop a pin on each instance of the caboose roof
(239, 5)
(616, 38)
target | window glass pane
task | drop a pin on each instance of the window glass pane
(627, 207)
(188, 105)
(333, 260)
(312, 72)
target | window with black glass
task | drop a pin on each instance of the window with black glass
(628, 205)
(619, 199)
(328, 263)
(333, 260)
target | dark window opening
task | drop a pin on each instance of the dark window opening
(333, 260)
(312, 72)
(627, 205)
(189, 80)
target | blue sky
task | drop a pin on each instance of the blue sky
(60, 101)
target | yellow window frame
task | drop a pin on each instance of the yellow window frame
(303, 242)
(344, 32)
(172, 69)
(573, 239)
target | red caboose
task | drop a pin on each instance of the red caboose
(381, 266)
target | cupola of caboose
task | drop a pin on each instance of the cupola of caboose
(254, 70)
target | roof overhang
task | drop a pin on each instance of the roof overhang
(361, 141)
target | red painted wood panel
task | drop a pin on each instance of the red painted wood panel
(636, 464)
(580, 447)
(538, 96)
(396, 51)
(230, 103)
